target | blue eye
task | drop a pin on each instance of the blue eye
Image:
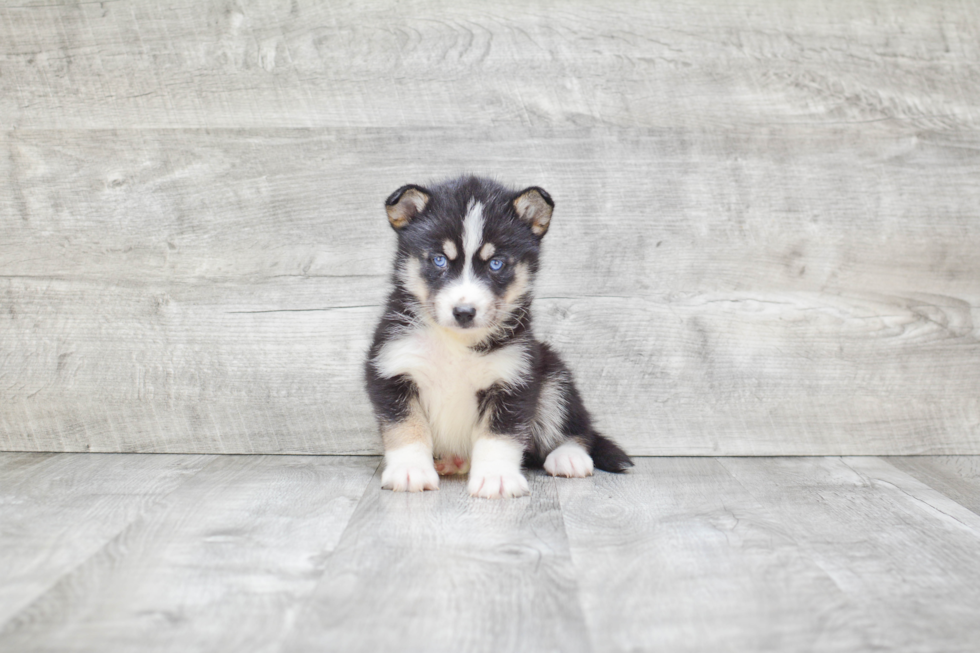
(496, 264)
(439, 260)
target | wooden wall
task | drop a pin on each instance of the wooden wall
(766, 241)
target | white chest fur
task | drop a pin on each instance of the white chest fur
(449, 375)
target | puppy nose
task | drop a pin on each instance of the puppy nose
(464, 314)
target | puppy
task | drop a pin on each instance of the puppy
(454, 370)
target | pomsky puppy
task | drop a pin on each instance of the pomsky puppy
(454, 371)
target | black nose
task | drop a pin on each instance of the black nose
(464, 314)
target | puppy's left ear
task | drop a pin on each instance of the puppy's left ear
(405, 204)
(534, 206)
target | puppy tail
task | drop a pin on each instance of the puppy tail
(606, 454)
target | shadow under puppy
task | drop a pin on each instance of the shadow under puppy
(454, 370)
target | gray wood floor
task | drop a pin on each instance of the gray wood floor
(114, 552)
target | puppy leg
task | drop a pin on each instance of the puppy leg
(408, 455)
(495, 468)
(570, 460)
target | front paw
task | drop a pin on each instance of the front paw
(408, 470)
(495, 470)
(497, 483)
(570, 460)
(409, 479)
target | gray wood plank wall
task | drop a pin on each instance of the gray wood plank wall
(765, 242)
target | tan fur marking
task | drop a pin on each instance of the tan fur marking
(449, 249)
(520, 285)
(410, 204)
(551, 414)
(533, 209)
(411, 275)
(487, 251)
(412, 430)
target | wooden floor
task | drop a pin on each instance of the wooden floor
(125, 552)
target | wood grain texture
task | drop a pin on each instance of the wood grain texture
(58, 510)
(957, 477)
(677, 556)
(824, 208)
(898, 549)
(237, 321)
(441, 571)
(438, 63)
(114, 553)
(224, 563)
(166, 368)
(764, 240)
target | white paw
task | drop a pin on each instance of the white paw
(497, 483)
(571, 460)
(495, 470)
(409, 469)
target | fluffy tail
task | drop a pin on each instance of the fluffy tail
(607, 456)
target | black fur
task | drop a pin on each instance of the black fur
(513, 408)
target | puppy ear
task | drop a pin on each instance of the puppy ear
(405, 204)
(534, 206)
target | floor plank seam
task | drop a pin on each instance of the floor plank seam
(802, 546)
(928, 506)
(589, 626)
(304, 606)
(158, 503)
(261, 552)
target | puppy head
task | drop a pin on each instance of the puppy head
(468, 249)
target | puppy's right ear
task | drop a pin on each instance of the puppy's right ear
(405, 204)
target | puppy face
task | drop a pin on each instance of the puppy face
(468, 250)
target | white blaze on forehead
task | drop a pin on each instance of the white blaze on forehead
(472, 230)
(467, 289)
(487, 251)
(449, 249)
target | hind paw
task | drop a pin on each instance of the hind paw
(570, 460)
(449, 465)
